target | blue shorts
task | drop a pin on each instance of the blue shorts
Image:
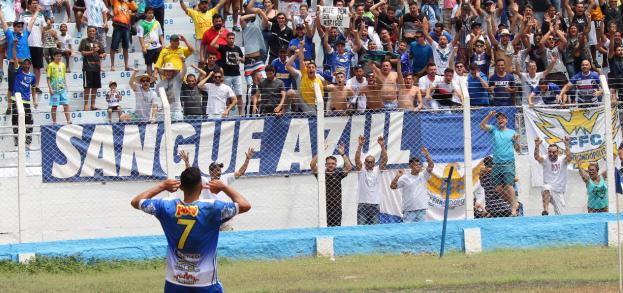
(58, 99)
(413, 216)
(174, 288)
(120, 35)
(235, 83)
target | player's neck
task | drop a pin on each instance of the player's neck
(191, 197)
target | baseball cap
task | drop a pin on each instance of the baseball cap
(112, 82)
(174, 37)
(505, 32)
(489, 2)
(215, 165)
(300, 25)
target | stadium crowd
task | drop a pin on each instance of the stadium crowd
(391, 55)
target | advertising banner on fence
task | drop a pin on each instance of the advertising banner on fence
(334, 16)
(585, 128)
(283, 145)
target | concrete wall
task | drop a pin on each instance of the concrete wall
(521, 233)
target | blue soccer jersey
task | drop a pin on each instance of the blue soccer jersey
(192, 231)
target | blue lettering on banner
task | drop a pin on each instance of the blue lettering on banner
(284, 145)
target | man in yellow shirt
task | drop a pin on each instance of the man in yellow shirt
(305, 99)
(174, 54)
(202, 18)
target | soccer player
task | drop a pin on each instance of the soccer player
(191, 227)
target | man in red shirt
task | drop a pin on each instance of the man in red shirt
(210, 34)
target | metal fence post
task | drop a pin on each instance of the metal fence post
(320, 152)
(21, 159)
(168, 135)
(467, 152)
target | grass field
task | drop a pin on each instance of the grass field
(576, 269)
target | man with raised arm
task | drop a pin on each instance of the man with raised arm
(554, 174)
(413, 185)
(369, 188)
(191, 226)
(333, 182)
(505, 140)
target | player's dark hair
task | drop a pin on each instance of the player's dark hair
(413, 160)
(330, 158)
(190, 178)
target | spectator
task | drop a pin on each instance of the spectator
(146, 99)
(97, 17)
(447, 92)
(303, 36)
(412, 23)
(25, 85)
(253, 41)
(123, 11)
(479, 54)
(546, 93)
(502, 85)
(65, 45)
(8, 10)
(232, 57)
(202, 17)
(426, 81)
(386, 78)
(281, 35)
(217, 31)
(304, 99)
(35, 42)
(191, 98)
(340, 93)
(421, 52)
(554, 174)
(174, 54)
(596, 187)
(158, 6)
(59, 4)
(505, 140)
(113, 97)
(50, 40)
(151, 38)
(495, 205)
(211, 67)
(219, 93)
(358, 83)
(615, 76)
(553, 51)
(172, 83)
(408, 94)
(57, 86)
(79, 9)
(531, 79)
(271, 96)
(587, 83)
(333, 182)
(443, 51)
(92, 53)
(478, 86)
(372, 92)
(339, 59)
(280, 68)
(369, 188)
(413, 185)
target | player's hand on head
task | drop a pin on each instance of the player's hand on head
(170, 185)
(216, 186)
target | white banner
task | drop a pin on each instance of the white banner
(584, 126)
(334, 16)
(436, 192)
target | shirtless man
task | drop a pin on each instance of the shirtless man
(387, 80)
(504, 49)
(373, 93)
(407, 92)
(340, 93)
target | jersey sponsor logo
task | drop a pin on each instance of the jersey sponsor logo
(186, 278)
(184, 210)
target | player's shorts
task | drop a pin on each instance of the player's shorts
(556, 198)
(59, 98)
(503, 173)
(152, 56)
(174, 288)
(91, 79)
(36, 56)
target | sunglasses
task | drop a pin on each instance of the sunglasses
(218, 76)
(369, 162)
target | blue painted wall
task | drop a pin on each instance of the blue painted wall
(522, 232)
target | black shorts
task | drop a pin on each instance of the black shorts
(114, 108)
(36, 56)
(91, 79)
(152, 56)
(12, 71)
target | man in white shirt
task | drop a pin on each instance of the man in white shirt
(554, 174)
(369, 187)
(218, 93)
(447, 92)
(358, 82)
(413, 185)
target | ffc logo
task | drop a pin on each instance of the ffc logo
(182, 210)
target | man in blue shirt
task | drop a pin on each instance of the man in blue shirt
(24, 84)
(340, 58)
(477, 86)
(303, 34)
(545, 93)
(502, 85)
(191, 227)
(587, 85)
(280, 68)
(505, 142)
(421, 52)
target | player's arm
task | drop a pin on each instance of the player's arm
(170, 185)
(217, 186)
(249, 154)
